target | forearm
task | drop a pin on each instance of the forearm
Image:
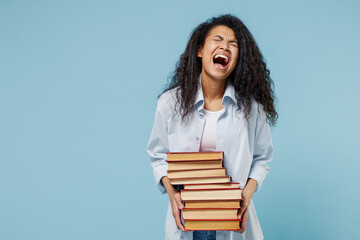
(169, 188)
(250, 187)
(246, 195)
(175, 201)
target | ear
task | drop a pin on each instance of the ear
(200, 53)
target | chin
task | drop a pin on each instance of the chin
(218, 75)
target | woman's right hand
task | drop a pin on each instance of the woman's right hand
(175, 201)
(177, 205)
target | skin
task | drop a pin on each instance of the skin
(220, 40)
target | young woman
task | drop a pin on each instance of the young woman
(220, 99)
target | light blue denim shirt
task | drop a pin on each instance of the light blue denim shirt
(247, 149)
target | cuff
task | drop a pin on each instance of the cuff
(160, 172)
(258, 173)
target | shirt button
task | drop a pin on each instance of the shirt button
(201, 116)
(197, 138)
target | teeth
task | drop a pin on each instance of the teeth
(222, 56)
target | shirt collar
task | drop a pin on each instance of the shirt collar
(229, 94)
(199, 99)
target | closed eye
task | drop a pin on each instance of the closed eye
(218, 38)
(234, 44)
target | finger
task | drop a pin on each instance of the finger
(177, 198)
(242, 226)
(240, 213)
(244, 203)
(178, 221)
(177, 217)
(243, 221)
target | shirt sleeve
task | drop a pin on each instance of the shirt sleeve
(263, 149)
(158, 146)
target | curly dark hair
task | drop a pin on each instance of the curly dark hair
(250, 77)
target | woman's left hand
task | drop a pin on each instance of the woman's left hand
(246, 196)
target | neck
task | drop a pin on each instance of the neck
(212, 89)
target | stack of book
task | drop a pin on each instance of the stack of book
(211, 200)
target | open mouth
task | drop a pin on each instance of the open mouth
(221, 60)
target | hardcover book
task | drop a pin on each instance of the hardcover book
(211, 194)
(232, 203)
(219, 225)
(188, 173)
(197, 180)
(209, 213)
(196, 164)
(211, 185)
(201, 156)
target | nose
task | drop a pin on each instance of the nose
(225, 47)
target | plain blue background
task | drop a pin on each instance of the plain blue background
(78, 87)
